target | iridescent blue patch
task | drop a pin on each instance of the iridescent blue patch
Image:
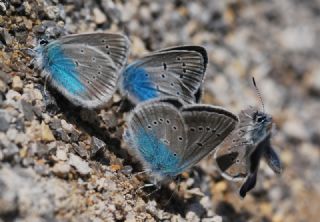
(138, 83)
(157, 154)
(62, 69)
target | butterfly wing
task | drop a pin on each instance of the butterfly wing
(177, 72)
(156, 131)
(207, 127)
(233, 156)
(85, 68)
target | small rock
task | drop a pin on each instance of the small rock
(79, 164)
(61, 154)
(13, 95)
(66, 126)
(61, 169)
(96, 146)
(3, 86)
(27, 110)
(80, 149)
(5, 37)
(296, 129)
(4, 121)
(9, 151)
(99, 16)
(17, 84)
(46, 133)
(52, 12)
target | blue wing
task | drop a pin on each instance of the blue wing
(85, 68)
(176, 72)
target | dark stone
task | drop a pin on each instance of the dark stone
(80, 150)
(62, 135)
(55, 124)
(20, 125)
(27, 110)
(96, 146)
(74, 136)
(10, 151)
(4, 124)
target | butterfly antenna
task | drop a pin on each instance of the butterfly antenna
(258, 93)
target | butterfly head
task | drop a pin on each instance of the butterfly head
(262, 125)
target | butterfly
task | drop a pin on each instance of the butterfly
(169, 138)
(239, 156)
(85, 68)
(175, 72)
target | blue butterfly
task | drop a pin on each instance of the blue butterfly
(177, 72)
(85, 68)
(239, 156)
(169, 138)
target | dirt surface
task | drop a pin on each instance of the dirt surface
(62, 163)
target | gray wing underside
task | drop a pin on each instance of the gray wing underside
(98, 78)
(98, 67)
(161, 120)
(207, 127)
(176, 73)
(116, 46)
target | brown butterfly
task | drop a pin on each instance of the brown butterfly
(239, 156)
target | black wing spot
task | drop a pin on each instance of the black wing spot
(200, 144)
(200, 128)
(171, 84)
(103, 41)
(82, 51)
(108, 53)
(174, 154)
(180, 138)
(174, 128)
(218, 134)
(146, 75)
(107, 46)
(184, 70)
(181, 76)
(183, 64)
(226, 160)
(192, 129)
(149, 126)
(99, 66)
(155, 122)
(160, 120)
(94, 59)
(99, 72)
(179, 58)
(238, 161)
(168, 121)
(164, 66)
(163, 76)
(166, 141)
(208, 128)
(77, 63)
(178, 93)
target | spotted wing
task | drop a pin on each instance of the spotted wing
(83, 69)
(207, 127)
(156, 131)
(177, 72)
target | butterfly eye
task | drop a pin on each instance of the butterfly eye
(260, 119)
(43, 42)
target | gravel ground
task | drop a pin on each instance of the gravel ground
(62, 163)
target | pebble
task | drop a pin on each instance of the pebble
(4, 121)
(99, 16)
(46, 133)
(17, 83)
(96, 146)
(61, 154)
(79, 164)
(61, 169)
(3, 86)
(27, 110)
